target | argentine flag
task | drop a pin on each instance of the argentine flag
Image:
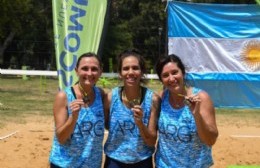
(220, 46)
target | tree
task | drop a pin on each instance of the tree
(10, 23)
(25, 32)
(134, 24)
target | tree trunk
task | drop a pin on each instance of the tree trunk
(7, 41)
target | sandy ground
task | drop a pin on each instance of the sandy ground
(29, 146)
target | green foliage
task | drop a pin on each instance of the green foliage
(10, 10)
(104, 82)
(25, 32)
(134, 24)
(118, 41)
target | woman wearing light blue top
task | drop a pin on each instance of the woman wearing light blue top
(132, 112)
(79, 119)
(187, 125)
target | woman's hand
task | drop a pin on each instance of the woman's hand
(137, 113)
(193, 101)
(75, 106)
(203, 111)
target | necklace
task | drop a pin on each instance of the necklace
(86, 98)
(185, 101)
(133, 102)
(178, 105)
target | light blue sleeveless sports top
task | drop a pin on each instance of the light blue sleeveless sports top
(179, 145)
(84, 148)
(124, 142)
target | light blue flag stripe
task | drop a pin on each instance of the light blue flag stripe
(229, 90)
(213, 21)
(225, 76)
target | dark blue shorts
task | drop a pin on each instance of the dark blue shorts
(111, 163)
(53, 166)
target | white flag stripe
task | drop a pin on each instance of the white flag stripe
(215, 55)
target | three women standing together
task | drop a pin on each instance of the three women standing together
(183, 116)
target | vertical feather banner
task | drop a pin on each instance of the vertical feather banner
(78, 25)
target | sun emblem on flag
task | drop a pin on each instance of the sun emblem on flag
(251, 55)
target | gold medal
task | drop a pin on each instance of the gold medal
(133, 102)
(85, 98)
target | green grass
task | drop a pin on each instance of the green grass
(20, 98)
(238, 117)
(238, 166)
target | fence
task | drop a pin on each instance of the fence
(54, 73)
